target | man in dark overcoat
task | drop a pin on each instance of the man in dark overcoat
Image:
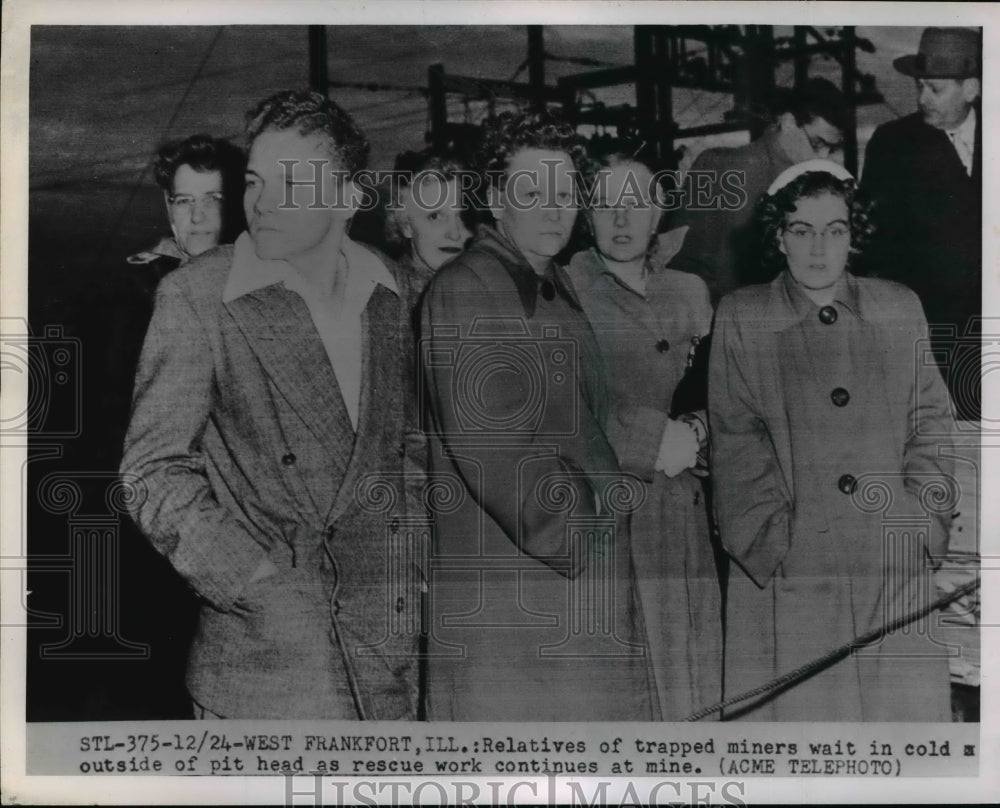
(267, 438)
(924, 172)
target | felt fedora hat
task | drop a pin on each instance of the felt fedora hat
(944, 53)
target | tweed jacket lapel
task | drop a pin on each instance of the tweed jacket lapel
(382, 388)
(279, 329)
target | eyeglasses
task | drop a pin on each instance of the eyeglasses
(836, 232)
(822, 145)
(183, 203)
(622, 206)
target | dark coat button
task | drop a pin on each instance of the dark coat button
(662, 346)
(840, 397)
(401, 448)
(329, 531)
(548, 289)
(828, 315)
(847, 484)
(288, 459)
(400, 603)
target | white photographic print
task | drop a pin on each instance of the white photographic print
(565, 403)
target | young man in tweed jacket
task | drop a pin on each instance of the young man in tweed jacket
(267, 441)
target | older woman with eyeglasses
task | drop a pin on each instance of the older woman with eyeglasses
(200, 178)
(201, 182)
(832, 498)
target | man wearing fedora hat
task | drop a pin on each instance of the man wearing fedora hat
(924, 172)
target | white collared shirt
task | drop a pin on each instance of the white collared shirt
(340, 331)
(964, 140)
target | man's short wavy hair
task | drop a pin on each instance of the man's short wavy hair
(773, 210)
(511, 132)
(310, 113)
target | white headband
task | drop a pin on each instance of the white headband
(797, 170)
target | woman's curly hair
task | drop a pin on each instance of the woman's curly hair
(773, 210)
(447, 166)
(205, 154)
(310, 113)
(511, 132)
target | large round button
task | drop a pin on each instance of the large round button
(288, 459)
(662, 346)
(828, 315)
(847, 484)
(548, 289)
(839, 396)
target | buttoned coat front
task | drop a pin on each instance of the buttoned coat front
(647, 342)
(534, 614)
(833, 496)
(241, 447)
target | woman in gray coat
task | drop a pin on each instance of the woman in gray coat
(532, 589)
(648, 321)
(832, 498)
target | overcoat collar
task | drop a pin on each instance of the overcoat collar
(947, 147)
(587, 269)
(166, 247)
(788, 305)
(527, 281)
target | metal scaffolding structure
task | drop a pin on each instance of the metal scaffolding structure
(736, 60)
